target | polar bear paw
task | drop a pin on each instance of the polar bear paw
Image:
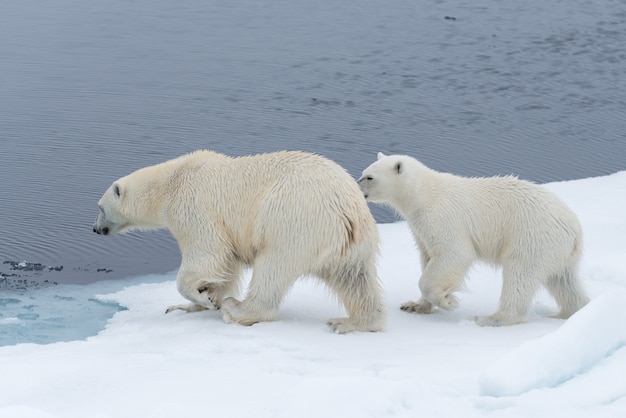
(231, 311)
(441, 299)
(497, 321)
(235, 312)
(422, 306)
(448, 302)
(342, 325)
(190, 307)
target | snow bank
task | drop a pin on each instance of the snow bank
(590, 335)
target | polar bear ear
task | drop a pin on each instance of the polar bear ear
(398, 167)
(381, 155)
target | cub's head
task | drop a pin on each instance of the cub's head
(129, 203)
(386, 180)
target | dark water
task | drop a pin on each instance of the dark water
(91, 90)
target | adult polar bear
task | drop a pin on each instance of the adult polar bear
(507, 222)
(287, 214)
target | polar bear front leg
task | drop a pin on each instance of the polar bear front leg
(421, 306)
(204, 294)
(442, 276)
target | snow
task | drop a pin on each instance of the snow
(542, 363)
(146, 363)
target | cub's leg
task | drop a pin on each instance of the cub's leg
(269, 284)
(421, 306)
(441, 277)
(568, 292)
(359, 288)
(518, 289)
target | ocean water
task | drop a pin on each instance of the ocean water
(47, 312)
(60, 313)
(91, 91)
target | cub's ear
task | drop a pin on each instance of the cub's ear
(398, 167)
(381, 155)
(117, 190)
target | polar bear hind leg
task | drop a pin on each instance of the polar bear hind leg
(519, 286)
(568, 292)
(357, 287)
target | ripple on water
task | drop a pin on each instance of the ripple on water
(531, 87)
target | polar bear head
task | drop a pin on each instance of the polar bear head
(131, 202)
(391, 178)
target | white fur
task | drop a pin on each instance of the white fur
(286, 214)
(504, 221)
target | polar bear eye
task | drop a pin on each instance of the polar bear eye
(116, 190)
(369, 178)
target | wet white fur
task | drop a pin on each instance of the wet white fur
(286, 214)
(504, 221)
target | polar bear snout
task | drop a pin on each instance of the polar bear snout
(101, 231)
(364, 183)
(102, 226)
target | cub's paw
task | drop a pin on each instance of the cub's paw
(342, 325)
(562, 315)
(446, 301)
(496, 321)
(420, 307)
(190, 307)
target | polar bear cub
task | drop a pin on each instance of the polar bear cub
(285, 214)
(504, 221)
